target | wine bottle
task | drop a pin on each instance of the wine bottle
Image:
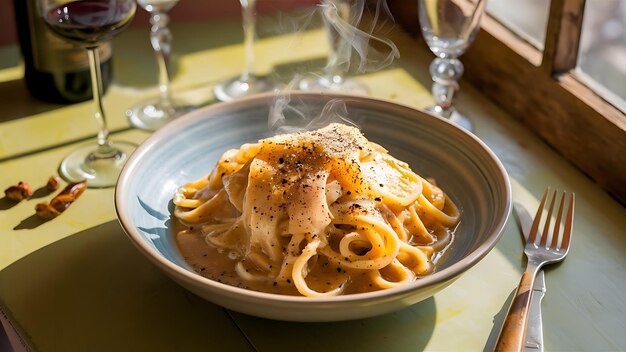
(54, 69)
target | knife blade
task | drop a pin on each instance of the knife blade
(534, 330)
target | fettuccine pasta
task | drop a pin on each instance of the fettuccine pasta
(318, 213)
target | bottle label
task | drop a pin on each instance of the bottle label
(53, 54)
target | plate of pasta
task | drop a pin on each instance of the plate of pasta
(335, 214)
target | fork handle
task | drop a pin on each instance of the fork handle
(514, 328)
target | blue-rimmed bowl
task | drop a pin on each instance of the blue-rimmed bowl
(189, 147)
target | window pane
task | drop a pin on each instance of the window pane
(527, 18)
(602, 55)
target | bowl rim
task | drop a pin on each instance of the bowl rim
(207, 112)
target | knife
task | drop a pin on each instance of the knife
(534, 329)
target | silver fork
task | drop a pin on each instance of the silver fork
(513, 331)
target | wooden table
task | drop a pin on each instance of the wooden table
(77, 284)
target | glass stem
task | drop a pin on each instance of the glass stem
(445, 73)
(249, 24)
(161, 40)
(96, 86)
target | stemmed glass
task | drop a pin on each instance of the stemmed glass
(449, 29)
(89, 23)
(336, 14)
(248, 83)
(154, 113)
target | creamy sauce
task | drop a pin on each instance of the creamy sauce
(215, 264)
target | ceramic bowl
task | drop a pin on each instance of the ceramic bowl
(188, 148)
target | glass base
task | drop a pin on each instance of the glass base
(98, 165)
(332, 83)
(237, 88)
(152, 115)
(453, 116)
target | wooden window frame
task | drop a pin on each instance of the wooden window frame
(541, 89)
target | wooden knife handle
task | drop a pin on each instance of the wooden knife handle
(513, 331)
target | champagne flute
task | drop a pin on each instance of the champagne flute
(154, 113)
(90, 23)
(337, 14)
(449, 29)
(248, 83)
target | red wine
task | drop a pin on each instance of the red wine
(55, 70)
(90, 22)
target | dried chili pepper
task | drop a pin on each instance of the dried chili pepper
(61, 201)
(19, 192)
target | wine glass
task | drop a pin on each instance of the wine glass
(248, 83)
(337, 14)
(449, 29)
(90, 23)
(154, 113)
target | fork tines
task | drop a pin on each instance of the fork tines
(556, 233)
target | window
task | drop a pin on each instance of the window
(526, 18)
(602, 54)
(541, 80)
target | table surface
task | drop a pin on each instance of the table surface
(76, 283)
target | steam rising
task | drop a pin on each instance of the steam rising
(288, 117)
(341, 19)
